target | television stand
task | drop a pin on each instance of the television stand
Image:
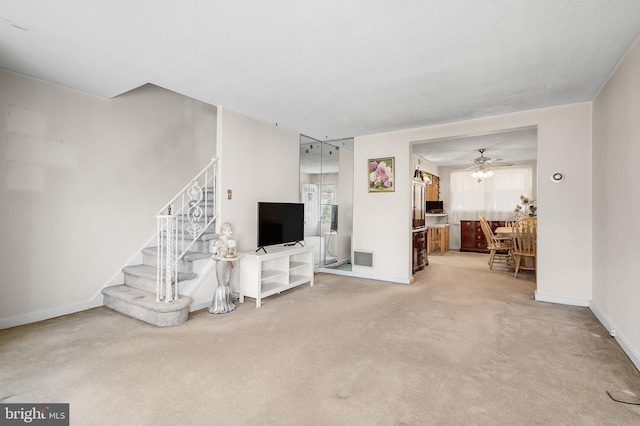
(261, 248)
(265, 274)
(293, 244)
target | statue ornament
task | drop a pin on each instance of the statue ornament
(224, 252)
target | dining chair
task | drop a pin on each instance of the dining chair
(524, 245)
(528, 219)
(511, 222)
(500, 248)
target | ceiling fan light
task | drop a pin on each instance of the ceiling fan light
(481, 174)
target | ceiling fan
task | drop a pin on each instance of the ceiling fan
(484, 162)
(481, 166)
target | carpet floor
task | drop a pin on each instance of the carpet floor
(461, 345)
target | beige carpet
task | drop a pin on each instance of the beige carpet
(462, 345)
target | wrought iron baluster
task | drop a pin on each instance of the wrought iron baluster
(171, 236)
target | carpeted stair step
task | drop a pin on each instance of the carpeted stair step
(199, 245)
(137, 296)
(144, 277)
(209, 235)
(142, 305)
(183, 222)
(150, 258)
(190, 256)
(209, 203)
(180, 228)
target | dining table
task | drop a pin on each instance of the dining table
(504, 231)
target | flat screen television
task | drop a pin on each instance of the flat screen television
(434, 207)
(280, 223)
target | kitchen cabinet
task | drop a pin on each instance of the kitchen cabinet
(420, 255)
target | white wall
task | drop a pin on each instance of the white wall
(84, 178)
(382, 221)
(616, 153)
(259, 162)
(425, 165)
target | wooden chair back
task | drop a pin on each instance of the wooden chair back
(493, 241)
(524, 238)
(499, 247)
(528, 220)
(486, 230)
(511, 222)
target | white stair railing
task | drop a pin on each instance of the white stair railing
(180, 223)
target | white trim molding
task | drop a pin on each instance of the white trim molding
(46, 314)
(624, 344)
(539, 297)
(395, 280)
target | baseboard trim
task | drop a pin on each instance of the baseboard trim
(539, 297)
(197, 306)
(359, 274)
(46, 314)
(334, 271)
(613, 332)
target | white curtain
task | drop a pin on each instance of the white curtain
(495, 197)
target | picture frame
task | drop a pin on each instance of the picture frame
(381, 174)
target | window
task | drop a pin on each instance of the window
(495, 197)
(328, 198)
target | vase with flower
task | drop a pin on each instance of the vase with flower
(527, 208)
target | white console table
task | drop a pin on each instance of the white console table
(281, 268)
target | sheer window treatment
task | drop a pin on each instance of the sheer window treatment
(494, 198)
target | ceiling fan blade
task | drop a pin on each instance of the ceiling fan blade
(486, 160)
(482, 162)
(487, 166)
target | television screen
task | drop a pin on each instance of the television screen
(280, 223)
(434, 207)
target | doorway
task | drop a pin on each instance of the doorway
(455, 155)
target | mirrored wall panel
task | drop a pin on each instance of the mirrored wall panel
(326, 181)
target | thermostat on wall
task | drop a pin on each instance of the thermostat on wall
(557, 177)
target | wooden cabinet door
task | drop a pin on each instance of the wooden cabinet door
(481, 240)
(433, 189)
(467, 235)
(418, 205)
(471, 236)
(419, 250)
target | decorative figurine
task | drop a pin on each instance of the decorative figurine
(224, 252)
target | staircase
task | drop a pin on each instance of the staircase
(151, 290)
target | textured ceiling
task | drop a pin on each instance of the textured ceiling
(331, 68)
(517, 145)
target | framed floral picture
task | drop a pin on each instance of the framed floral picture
(381, 178)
